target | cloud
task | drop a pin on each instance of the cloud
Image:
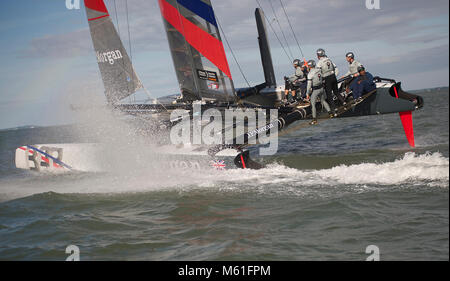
(64, 45)
(146, 33)
(424, 59)
(424, 39)
(318, 22)
(315, 22)
(405, 31)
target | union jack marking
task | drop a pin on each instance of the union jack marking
(43, 158)
(213, 86)
(219, 164)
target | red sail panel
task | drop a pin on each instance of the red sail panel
(207, 45)
(97, 5)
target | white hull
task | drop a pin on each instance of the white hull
(91, 157)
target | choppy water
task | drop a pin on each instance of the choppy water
(331, 191)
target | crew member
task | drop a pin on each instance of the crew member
(295, 79)
(353, 65)
(329, 72)
(315, 90)
(363, 84)
(352, 71)
(301, 83)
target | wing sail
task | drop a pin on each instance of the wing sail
(197, 50)
(119, 77)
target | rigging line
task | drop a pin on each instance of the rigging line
(273, 30)
(217, 34)
(148, 93)
(131, 58)
(281, 29)
(154, 99)
(191, 62)
(118, 32)
(292, 29)
(232, 52)
(129, 35)
(117, 18)
(129, 43)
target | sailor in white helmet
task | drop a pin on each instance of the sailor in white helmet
(297, 77)
(315, 90)
(329, 72)
(352, 73)
(353, 65)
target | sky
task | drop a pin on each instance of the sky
(48, 62)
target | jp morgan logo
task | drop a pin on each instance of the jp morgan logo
(110, 57)
(373, 4)
(260, 130)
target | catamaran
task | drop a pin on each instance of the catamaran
(204, 78)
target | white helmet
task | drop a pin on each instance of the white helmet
(350, 55)
(320, 52)
(312, 63)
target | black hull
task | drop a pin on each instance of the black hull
(383, 101)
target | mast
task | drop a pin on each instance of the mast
(264, 48)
